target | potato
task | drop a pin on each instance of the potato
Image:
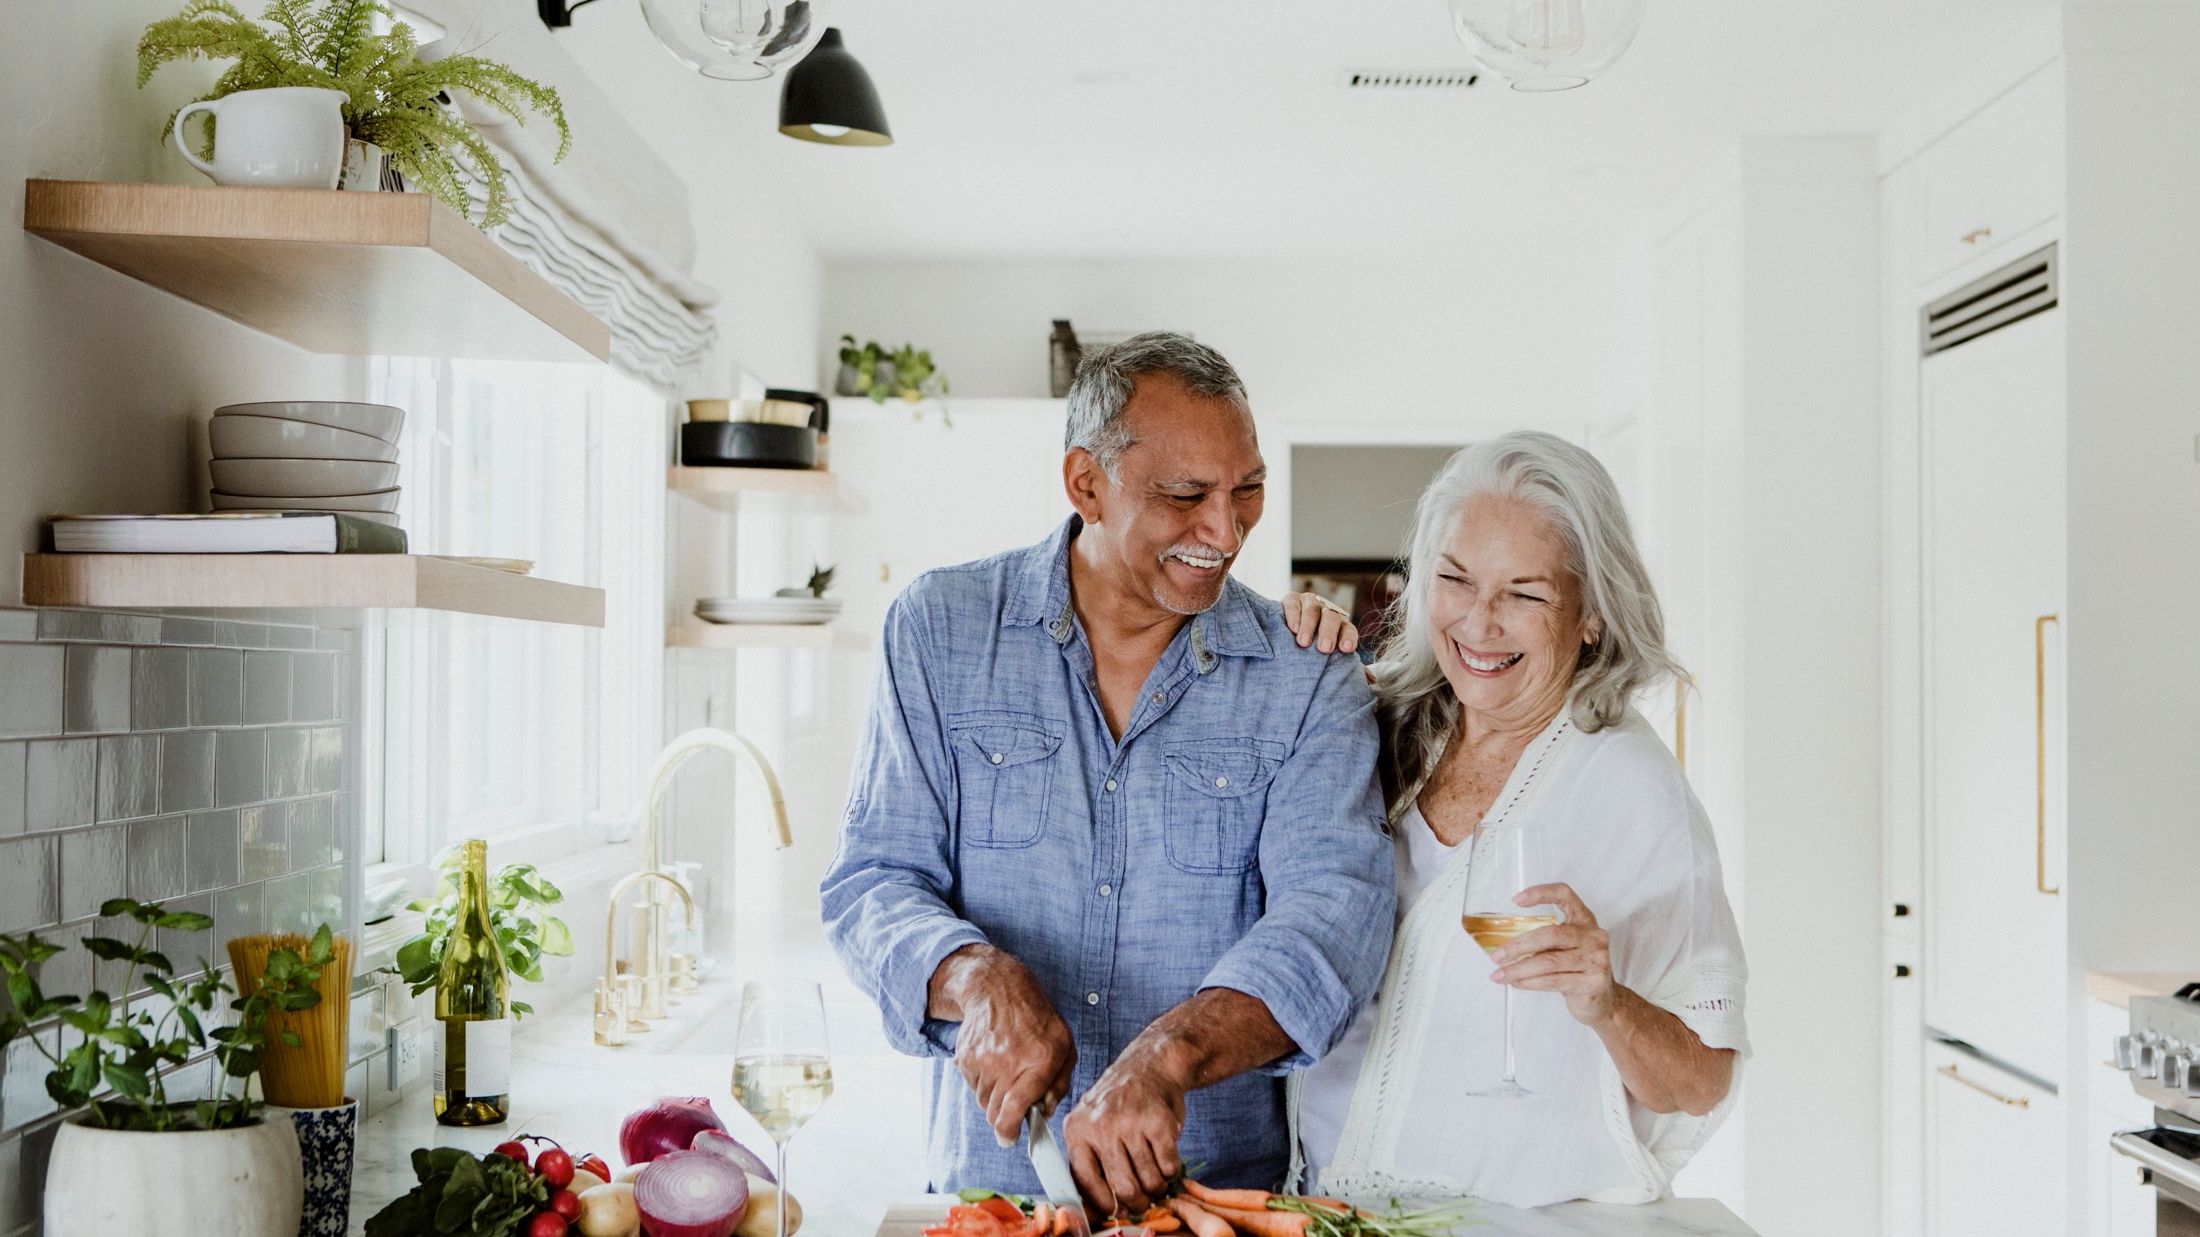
(584, 1181)
(762, 1219)
(609, 1211)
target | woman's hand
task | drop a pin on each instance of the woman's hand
(1573, 958)
(1320, 622)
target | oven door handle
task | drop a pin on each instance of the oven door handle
(2174, 1168)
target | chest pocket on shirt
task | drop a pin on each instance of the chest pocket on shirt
(1004, 763)
(1214, 798)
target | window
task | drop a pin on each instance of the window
(486, 727)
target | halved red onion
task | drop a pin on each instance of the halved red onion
(718, 1142)
(664, 1127)
(691, 1194)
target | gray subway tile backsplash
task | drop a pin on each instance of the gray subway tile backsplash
(187, 770)
(93, 869)
(60, 783)
(217, 687)
(240, 767)
(199, 762)
(12, 762)
(30, 689)
(160, 689)
(266, 688)
(129, 776)
(95, 689)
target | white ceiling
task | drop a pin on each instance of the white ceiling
(1218, 128)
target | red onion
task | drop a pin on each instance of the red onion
(691, 1194)
(664, 1127)
(718, 1142)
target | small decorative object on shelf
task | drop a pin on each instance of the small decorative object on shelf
(390, 98)
(1063, 354)
(122, 1164)
(908, 371)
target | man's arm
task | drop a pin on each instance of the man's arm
(1281, 996)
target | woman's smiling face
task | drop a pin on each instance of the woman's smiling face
(1505, 614)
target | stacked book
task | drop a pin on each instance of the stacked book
(297, 532)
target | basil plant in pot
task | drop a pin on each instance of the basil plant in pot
(394, 102)
(135, 1159)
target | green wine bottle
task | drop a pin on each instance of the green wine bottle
(473, 1053)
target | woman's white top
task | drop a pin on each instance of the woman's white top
(1389, 1111)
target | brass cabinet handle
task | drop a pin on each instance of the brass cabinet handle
(1975, 235)
(2013, 1101)
(2039, 750)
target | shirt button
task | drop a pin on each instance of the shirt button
(1221, 783)
(1111, 783)
(1092, 998)
(997, 758)
(1106, 890)
(1157, 697)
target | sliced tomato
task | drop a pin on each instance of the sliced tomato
(964, 1221)
(1001, 1209)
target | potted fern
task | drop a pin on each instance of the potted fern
(395, 103)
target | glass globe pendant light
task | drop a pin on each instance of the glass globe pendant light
(735, 40)
(1546, 45)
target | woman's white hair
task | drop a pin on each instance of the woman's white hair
(1577, 496)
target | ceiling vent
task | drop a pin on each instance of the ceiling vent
(1410, 79)
(2027, 286)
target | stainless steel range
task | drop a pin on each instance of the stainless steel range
(2162, 1053)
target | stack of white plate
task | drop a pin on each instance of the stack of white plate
(307, 455)
(804, 611)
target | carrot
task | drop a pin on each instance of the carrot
(1202, 1222)
(1061, 1227)
(1265, 1223)
(1243, 1200)
(1160, 1219)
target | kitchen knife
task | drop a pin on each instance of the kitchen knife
(1054, 1175)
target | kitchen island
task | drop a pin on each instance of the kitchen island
(1675, 1217)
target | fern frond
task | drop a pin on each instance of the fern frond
(205, 30)
(346, 35)
(494, 84)
(298, 20)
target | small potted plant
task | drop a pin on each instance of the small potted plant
(122, 1164)
(396, 104)
(518, 896)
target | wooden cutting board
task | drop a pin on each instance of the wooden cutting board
(911, 1219)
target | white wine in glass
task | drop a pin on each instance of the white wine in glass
(782, 1069)
(1497, 869)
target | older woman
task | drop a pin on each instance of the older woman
(1527, 626)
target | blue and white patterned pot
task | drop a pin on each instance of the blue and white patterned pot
(327, 1138)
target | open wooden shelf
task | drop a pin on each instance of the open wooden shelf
(365, 273)
(722, 487)
(701, 635)
(301, 582)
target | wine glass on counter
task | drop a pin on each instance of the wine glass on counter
(1497, 869)
(782, 1069)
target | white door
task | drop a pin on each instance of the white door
(1994, 1151)
(1993, 459)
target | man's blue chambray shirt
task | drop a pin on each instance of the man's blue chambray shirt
(1232, 839)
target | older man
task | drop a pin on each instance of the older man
(1113, 838)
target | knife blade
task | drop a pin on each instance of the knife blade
(1053, 1169)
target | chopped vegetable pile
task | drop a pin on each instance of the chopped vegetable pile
(1196, 1210)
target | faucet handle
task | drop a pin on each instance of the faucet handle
(684, 981)
(610, 1015)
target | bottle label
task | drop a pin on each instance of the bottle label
(489, 1057)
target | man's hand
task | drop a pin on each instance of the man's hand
(1122, 1136)
(1013, 1049)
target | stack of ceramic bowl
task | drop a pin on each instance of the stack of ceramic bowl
(307, 455)
(803, 610)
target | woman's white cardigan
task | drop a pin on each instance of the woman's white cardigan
(1614, 818)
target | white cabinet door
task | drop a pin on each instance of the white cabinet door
(1994, 1151)
(1993, 463)
(1986, 189)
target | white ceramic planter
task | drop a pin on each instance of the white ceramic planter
(244, 1182)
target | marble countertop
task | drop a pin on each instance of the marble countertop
(1674, 1217)
(2118, 987)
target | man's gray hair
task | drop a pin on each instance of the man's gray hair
(1102, 388)
(1573, 491)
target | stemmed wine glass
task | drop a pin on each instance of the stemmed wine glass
(1497, 869)
(782, 1070)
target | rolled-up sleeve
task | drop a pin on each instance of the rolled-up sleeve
(888, 897)
(1317, 953)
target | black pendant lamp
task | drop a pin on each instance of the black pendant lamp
(829, 98)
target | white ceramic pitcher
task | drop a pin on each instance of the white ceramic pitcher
(284, 137)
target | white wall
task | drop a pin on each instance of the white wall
(1764, 536)
(1357, 502)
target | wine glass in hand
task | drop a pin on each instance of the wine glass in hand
(1496, 871)
(782, 1071)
